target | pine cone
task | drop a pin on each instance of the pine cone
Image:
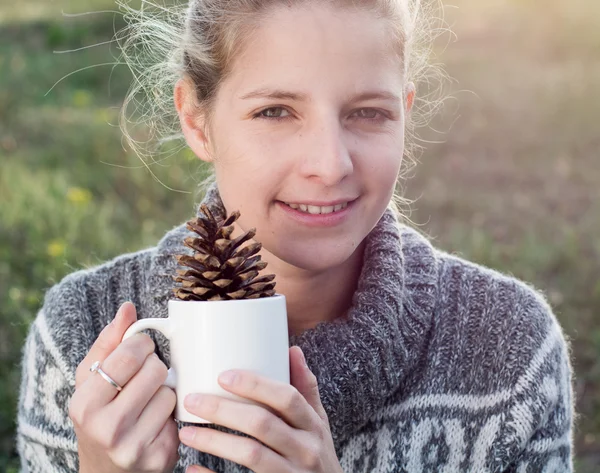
(220, 269)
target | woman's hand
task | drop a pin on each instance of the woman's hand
(293, 426)
(131, 430)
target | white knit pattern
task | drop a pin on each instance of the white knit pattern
(442, 366)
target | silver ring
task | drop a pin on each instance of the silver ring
(96, 368)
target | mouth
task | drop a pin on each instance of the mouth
(317, 209)
(329, 218)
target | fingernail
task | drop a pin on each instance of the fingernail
(187, 434)
(228, 378)
(303, 358)
(119, 314)
(192, 400)
(113, 322)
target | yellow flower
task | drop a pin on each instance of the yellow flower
(81, 98)
(14, 293)
(32, 298)
(79, 196)
(56, 248)
(103, 115)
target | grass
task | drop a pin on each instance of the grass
(512, 181)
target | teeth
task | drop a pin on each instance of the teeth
(315, 210)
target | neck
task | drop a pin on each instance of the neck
(312, 298)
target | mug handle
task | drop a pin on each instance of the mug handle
(164, 327)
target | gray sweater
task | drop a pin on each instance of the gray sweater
(440, 365)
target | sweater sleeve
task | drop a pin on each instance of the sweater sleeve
(45, 437)
(46, 440)
(539, 421)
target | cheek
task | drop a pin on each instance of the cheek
(381, 159)
(259, 152)
(242, 161)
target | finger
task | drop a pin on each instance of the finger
(243, 417)
(165, 445)
(121, 365)
(157, 412)
(283, 398)
(109, 338)
(198, 469)
(156, 433)
(303, 379)
(134, 397)
(244, 451)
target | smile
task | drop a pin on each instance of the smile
(315, 210)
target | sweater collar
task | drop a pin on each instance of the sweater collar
(361, 359)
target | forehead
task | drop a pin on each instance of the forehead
(318, 46)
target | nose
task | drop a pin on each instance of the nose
(326, 156)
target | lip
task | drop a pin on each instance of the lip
(319, 220)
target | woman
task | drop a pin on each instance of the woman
(417, 360)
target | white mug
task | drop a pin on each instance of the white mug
(210, 337)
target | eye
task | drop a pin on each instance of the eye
(280, 114)
(370, 114)
(273, 113)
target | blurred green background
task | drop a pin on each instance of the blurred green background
(510, 176)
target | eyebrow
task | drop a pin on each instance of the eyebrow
(301, 97)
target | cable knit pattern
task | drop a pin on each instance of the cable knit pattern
(440, 365)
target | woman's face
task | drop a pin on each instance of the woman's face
(313, 111)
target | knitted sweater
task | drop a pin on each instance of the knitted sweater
(440, 365)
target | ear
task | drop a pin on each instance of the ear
(192, 122)
(409, 91)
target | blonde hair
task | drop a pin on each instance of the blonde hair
(164, 42)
